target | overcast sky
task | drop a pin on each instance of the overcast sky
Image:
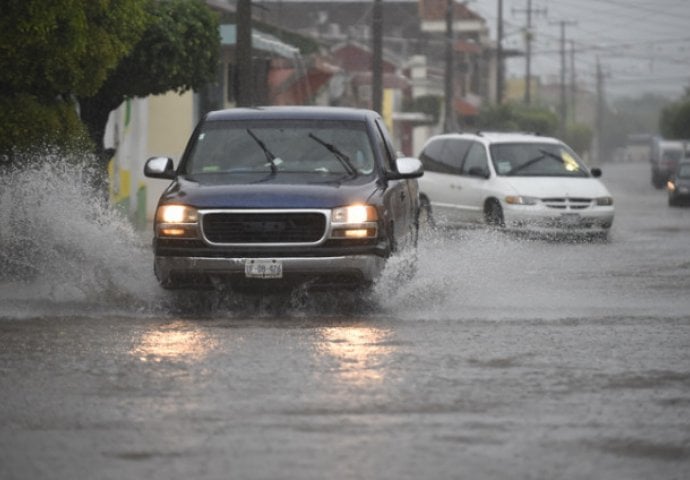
(643, 45)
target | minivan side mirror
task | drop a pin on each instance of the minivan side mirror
(596, 172)
(160, 167)
(479, 172)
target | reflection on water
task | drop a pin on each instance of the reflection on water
(174, 341)
(361, 353)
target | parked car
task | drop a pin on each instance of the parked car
(284, 196)
(665, 157)
(678, 185)
(514, 181)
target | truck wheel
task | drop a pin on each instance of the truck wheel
(426, 219)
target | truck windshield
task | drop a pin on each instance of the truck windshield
(280, 146)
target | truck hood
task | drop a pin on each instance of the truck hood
(281, 191)
(549, 187)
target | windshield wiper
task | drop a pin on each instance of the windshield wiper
(342, 158)
(544, 154)
(269, 155)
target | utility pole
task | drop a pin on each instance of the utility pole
(563, 108)
(499, 54)
(528, 47)
(243, 54)
(449, 124)
(377, 57)
(573, 83)
(600, 114)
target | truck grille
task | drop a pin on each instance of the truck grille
(269, 227)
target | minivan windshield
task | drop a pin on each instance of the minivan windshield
(536, 159)
(278, 146)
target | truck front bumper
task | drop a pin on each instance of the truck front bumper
(189, 272)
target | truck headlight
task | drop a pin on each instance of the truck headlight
(177, 221)
(354, 214)
(354, 221)
(176, 214)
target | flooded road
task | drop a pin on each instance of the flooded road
(503, 358)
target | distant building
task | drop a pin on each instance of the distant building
(414, 39)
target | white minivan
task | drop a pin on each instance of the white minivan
(514, 181)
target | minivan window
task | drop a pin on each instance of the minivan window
(444, 155)
(476, 161)
(431, 156)
(455, 153)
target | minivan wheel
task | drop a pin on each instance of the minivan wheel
(493, 214)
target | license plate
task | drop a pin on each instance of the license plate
(263, 268)
(570, 219)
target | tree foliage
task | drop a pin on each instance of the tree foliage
(101, 52)
(674, 121)
(178, 51)
(64, 46)
(427, 104)
(518, 117)
(50, 51)
(28, 124)
(579, 136)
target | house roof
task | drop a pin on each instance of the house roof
(389, 80)
(465, 108)
(435, 10)
(355, 57)
(463, 46)
(260, 41)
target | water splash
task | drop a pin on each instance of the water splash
(63, 249)
(60, 242)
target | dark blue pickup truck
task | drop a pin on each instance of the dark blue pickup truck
(284, 196)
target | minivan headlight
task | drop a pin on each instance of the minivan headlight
(521, 200)
(604, 201)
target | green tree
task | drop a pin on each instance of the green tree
(427, 104)
(518, 117)
(674, 121)
(27, 123)
(50, 51)
(64, 47)
(178, 51)
(579, 136)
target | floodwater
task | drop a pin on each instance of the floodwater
(504, 357)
